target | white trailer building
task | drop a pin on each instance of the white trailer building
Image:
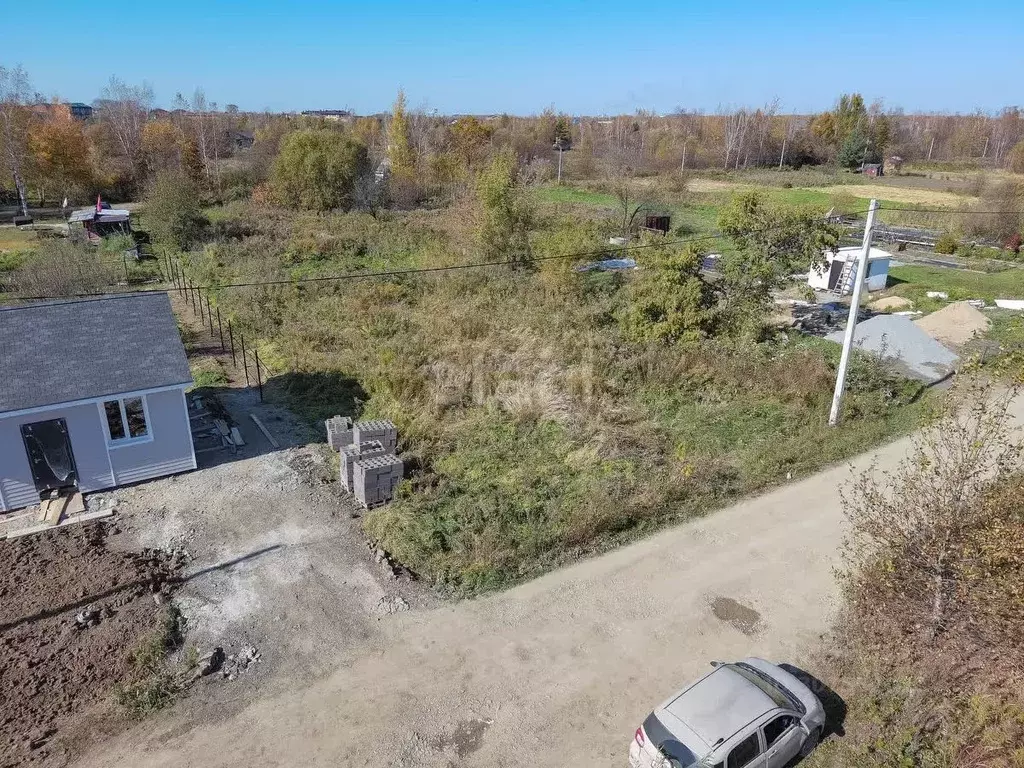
(831, 275)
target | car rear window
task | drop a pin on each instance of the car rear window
(666, 743)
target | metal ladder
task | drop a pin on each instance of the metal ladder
(847, 277)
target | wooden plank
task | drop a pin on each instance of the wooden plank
(54, 511)
(236, 436)
(222, 427)
(264, 430)
(75, 505)
(68, 521)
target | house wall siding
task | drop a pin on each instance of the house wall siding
(88, 445)
(169, 451)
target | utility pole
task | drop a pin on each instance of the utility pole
(851, 322)
(562, 145)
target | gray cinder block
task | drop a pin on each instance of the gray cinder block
(374, 479)
(339, 432)
(351, 453)
(382, 429)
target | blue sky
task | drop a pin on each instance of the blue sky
(582, 57)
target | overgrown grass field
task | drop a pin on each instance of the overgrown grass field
(533, 430)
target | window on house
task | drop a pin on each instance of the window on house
(126, 419)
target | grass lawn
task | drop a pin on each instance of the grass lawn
(913, 282)
(14, 239)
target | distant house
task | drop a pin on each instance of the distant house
(93, 224)
(242, 139)
(92, 396)
(872, 169)
(383, 170)
(75, 109)
(343, 115)
(832, 276)
(80, 111)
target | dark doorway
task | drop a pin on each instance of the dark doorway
(49, 453)
(834, 272)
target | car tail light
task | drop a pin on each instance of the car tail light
(639, 736)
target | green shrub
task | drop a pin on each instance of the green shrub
(947, 244)
(172, 211)
(318, 169)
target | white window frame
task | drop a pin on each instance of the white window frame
(126, 440)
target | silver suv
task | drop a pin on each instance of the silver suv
(747, 714)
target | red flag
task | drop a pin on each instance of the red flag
(99, 207)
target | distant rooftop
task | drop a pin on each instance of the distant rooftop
(327, 113)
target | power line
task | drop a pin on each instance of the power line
(950, 211)
(425, 270)
(452, 267)
(415, 270)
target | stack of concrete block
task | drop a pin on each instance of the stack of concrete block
(382, 430)
(350, 454)
(339, 432)
(375, 479)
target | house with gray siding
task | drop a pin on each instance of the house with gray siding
(92, 396)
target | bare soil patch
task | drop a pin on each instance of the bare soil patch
(71, 610)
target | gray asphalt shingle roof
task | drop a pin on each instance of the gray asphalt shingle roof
(60, 351)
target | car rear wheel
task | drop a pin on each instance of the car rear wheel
(810, 742)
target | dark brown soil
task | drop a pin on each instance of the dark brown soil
(53, 669)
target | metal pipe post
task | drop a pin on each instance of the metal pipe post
(231, 338)
(259, 379)
(209, 313)
(851, 322)
(220, 330)
(245, 360)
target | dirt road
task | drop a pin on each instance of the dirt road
(556, 672)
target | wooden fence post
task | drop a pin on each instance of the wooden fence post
(231, 338)
(220, 330)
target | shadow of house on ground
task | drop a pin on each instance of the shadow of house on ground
(317, 396)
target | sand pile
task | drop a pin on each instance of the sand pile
(892, 304)
(955, 324)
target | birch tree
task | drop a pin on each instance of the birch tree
(125, 108)
(15, 118)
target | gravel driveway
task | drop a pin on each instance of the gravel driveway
(556, 672)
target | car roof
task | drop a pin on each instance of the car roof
(719, 704)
